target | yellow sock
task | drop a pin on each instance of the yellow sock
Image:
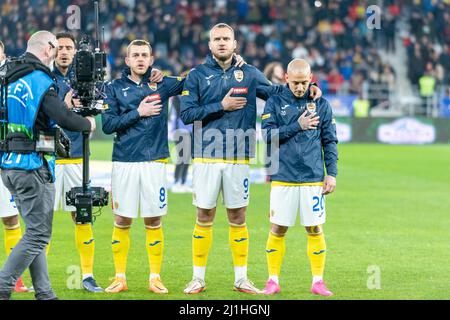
(12, 235)
(201, 243)
(275, 249)
(317, 253)
(84, 240)
(120, 248)
(155, 248)
(238, 239)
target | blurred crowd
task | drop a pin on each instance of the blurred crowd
(428, 43)
(332, 35)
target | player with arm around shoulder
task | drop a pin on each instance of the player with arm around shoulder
(138, 117)
(306, 134)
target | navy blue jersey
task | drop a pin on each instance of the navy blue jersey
(205, 87)
(76, 138)
(138, 139)
(302, 153)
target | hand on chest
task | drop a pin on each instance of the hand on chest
(290, 112)
(237, 80)
(131, 96)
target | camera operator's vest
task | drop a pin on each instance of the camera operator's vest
(24, 98)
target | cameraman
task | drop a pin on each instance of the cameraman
(34, 107)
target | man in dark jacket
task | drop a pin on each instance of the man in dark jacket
(69, 171)
(137, 114)
(306, 133)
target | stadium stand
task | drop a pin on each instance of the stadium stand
(348, 58)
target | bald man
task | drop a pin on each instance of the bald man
(28, 171)
(306, 133)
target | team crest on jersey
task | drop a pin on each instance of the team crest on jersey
(239, 75)
(311, 107)
(153, 86)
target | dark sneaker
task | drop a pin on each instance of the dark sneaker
(90, 285)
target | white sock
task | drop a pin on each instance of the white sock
(121, 275)
(154, 276)
(317, 278)
(87, 275)
(199, 272)
(274, 278)
(240, 273)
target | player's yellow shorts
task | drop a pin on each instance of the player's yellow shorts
(209, 179)
(139, 187)
(286, 202)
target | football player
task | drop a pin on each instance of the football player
(306, 132)
(69, 171)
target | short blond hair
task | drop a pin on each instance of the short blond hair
(139, 42)
(220, 26)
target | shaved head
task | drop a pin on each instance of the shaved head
(299, 66)
(40, 40)
(44, 46)
(298, 77)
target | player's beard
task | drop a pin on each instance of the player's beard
(62, 66)
(224, 56)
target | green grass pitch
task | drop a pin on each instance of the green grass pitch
(390, 211)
